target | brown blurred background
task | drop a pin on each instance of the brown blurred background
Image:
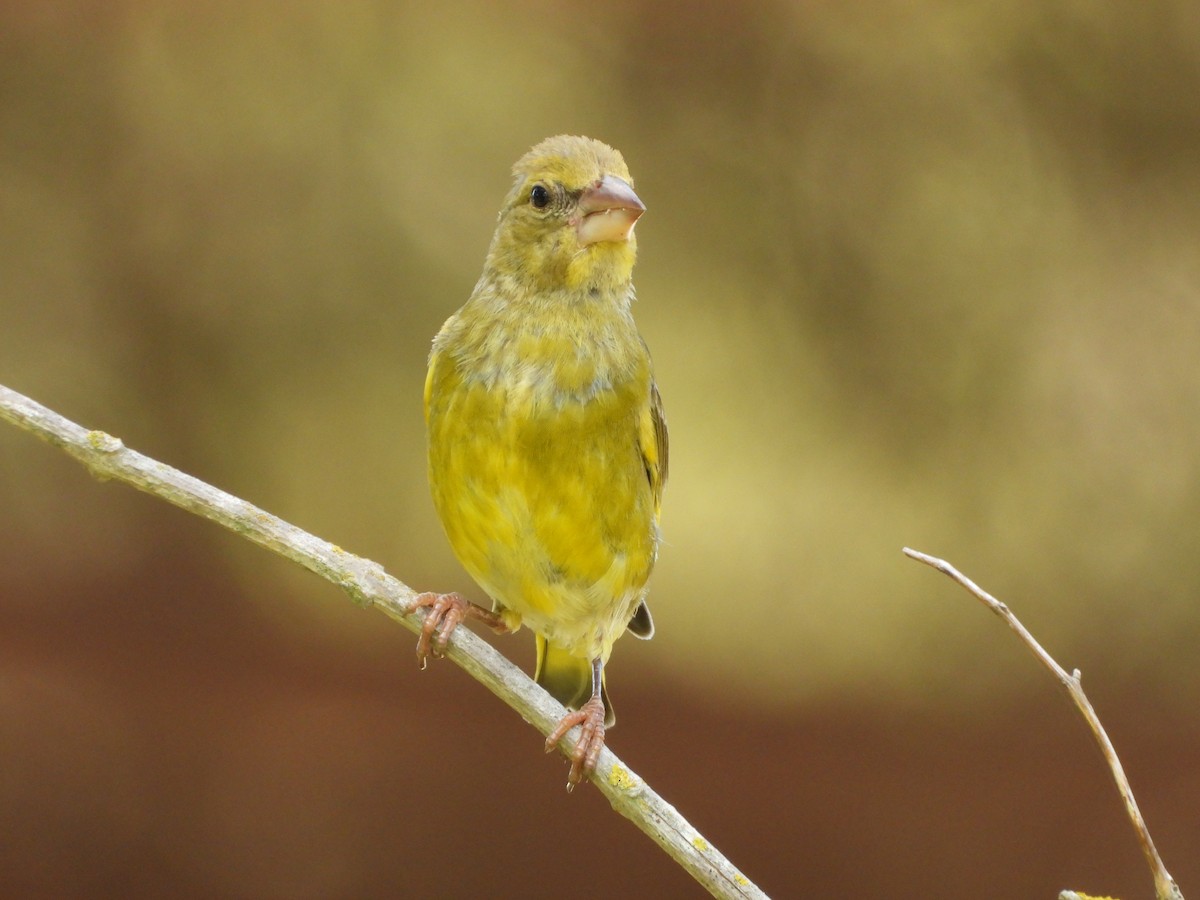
(913, 274)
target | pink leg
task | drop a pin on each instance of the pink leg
(590, 718)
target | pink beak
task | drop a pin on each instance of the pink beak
(608, 210)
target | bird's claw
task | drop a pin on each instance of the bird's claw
(445, 612)
(590, 719)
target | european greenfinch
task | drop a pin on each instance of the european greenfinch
(546, 436)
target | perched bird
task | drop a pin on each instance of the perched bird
(547, 442)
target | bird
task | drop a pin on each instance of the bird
(547, 441)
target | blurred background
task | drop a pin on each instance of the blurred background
(912, 274)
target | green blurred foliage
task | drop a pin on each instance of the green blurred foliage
(920, 275)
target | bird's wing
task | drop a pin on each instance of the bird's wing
(653, 442)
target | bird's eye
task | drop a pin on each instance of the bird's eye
(539, 196)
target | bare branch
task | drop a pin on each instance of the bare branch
(369, 585)
(1164, 885)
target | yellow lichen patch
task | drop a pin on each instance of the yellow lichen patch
(700, 844)
(104, 442)
(620, 777)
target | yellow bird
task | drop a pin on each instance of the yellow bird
(547, 442)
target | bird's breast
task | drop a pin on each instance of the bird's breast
(538, 476)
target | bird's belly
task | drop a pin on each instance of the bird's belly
(548, 507)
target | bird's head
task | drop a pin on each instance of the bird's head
(568, 221)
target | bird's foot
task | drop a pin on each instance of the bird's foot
(590, 718)
(445, 612)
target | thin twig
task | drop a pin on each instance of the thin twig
(1164, 885)
(367, 583)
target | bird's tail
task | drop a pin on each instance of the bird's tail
(567, 678)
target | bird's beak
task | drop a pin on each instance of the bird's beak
(608, 210)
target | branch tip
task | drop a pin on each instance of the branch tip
(1165, 887)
